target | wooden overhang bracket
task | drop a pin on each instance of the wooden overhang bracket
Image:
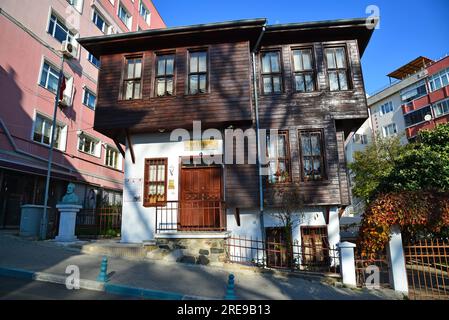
(119, 146)
(131, 148)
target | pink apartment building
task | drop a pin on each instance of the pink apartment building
(31, 33)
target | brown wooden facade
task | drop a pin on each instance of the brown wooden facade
(229, 98)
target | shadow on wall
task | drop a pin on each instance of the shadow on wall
(25, 182)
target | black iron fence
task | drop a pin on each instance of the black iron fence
(280, 255)
(99, 222)
(192, 215)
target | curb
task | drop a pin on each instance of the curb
(91, 285)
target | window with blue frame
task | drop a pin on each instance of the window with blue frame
(386, 108)
(89, 99)
(58, 30)
(49, 77)
(99, 21)
(93, 60)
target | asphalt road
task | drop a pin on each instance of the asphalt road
(20, 289)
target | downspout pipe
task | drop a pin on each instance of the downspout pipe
(256, 106)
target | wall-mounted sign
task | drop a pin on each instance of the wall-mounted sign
(133, 190)
(199, 145)
(171, 184)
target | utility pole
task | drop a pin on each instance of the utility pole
(44, 222)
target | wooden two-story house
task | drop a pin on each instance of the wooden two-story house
(304, 80)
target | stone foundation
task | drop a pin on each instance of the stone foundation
(193, 251)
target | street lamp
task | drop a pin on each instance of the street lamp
(67, 51)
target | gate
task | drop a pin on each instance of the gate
(363, 268)
(427, 263)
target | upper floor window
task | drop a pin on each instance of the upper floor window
(386, 108)
(89, 145)
(77, 4)
(414, 91)
(112, 158)
(49, 77)
(271, 72)
(441, 108)
(42, 132)
(360, 138)
(93, 60)
(439, 80)
(125, 16)
(389, 130)
(337, 69)
(278, 153)
(197, 72)
(59, 31)
(312, 155)
(417, 116)
(99, 21)
(89, 99)
(165, 74)
(155, 184)
(132, 80)
(303, 70)
(144, 12)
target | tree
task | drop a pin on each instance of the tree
(387, 166)
(373, 165)
(412, 190)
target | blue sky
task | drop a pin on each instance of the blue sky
(408, 28)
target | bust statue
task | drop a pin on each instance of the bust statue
(70, 197)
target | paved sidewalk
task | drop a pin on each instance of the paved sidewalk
(171, 277)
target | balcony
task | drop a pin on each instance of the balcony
(191, 216)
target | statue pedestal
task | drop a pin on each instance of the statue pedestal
(67, 222)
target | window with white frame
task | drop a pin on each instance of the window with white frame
(77, 4)
(125, 16)
(91, 58)
(42, 132)
(414, 91)
(439, 80)
(390, 130)
(144, 12)
(89, 99)
(112, 158)
(58, 30)
(386, 108)
(99, 21)
(49, 79)
(441, 108)
(89, 145)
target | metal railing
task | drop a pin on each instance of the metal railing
(191, 215)
(295, 257)
(427, 263)
(99, 222)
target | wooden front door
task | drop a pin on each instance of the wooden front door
(278, 251)
(314, 245)
(200, 206)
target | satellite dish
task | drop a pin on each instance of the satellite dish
(428, 117)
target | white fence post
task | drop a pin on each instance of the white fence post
(347, 263)
(398, 273)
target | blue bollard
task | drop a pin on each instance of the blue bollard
(103, 276)
(230, 294)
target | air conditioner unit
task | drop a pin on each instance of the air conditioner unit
(68, 49)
